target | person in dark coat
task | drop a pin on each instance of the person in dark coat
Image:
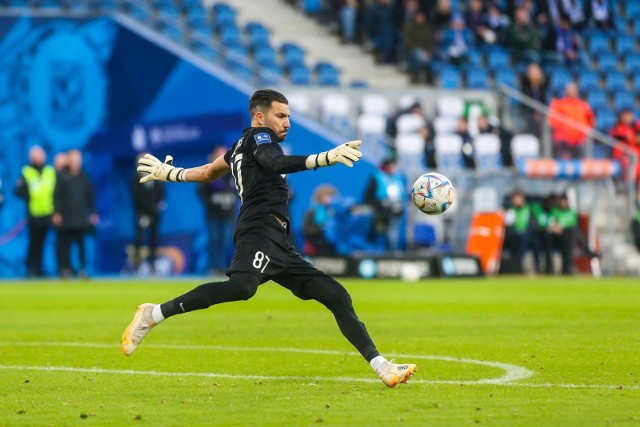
(74, 214)
(148, 200)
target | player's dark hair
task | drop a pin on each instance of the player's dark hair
(263, 98)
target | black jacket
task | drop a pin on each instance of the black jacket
(73, 199)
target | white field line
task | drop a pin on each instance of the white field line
(512, 372)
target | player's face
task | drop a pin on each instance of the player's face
(277, 119)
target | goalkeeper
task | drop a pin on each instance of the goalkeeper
(262, 249)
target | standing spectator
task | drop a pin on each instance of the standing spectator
(524, 38)
(569, 141)
(567, 42)
(442, 15)
(458, 49)
(635, 229)
(462, 130)
(148, 201)
(220, 199)
(419, 42)
(474, 19)
(626, 132)
(563, 226)
(317, 220)
(519, 221)
(497, 23)
(75, 214)
(385, 193)
(534, 85)
(383, 28)
(541, 242)
(36, 186)
(348, 16)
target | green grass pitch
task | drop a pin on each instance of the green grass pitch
(512, 351)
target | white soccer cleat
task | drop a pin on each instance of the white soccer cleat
(139, 327)
(393, 373)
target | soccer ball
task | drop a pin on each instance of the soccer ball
(432, 193)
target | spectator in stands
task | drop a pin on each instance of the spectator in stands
(626, 132)
(635, 229)
(458, 49)
(598, 14)
(572, 10)
(497, 22)
(569, 141)
(485, 126)
(462, 129)
(36, 185)
(524, 38)
(220, 199)
(519, 226)
(385, 194)
(563, 227)
(383, 28)
(534, 85)
(567, 42)
(75, 214)
(148, 202)
(419, 42)
(474, 19)
(441, 16)
(317, 220)
(348, 17)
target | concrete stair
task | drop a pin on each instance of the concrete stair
(288, 24)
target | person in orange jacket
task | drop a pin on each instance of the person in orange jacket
(570, 118)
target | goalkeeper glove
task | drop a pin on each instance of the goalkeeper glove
(347, 154)
(158, 171)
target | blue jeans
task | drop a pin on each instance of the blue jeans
(219, 246)
(348, 22)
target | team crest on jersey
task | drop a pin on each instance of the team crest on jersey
(262, 138)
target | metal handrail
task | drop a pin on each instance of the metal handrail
(593, 133)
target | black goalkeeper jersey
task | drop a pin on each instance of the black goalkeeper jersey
(259, 167)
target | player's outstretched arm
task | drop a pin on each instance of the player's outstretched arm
(156, 170)
(347, 154)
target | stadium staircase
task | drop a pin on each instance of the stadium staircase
(288, 24)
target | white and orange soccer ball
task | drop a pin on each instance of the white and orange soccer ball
(432, 193)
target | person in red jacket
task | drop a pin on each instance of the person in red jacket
(627, 133)
(571, 119)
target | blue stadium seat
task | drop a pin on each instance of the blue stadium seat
(170, 13)
(292, 54)
(207, 52)
(498, 59)
(477, 78)
(265, 55)
(559, 79)
(174, 33)
(635, 27)
(632, 10)
(140, 14)
(450, 78)
(635, 82)
(230, 36)
(241, 71)
(605, 119)
(359, 84)
(257, 34)
(607, 62)
(598, 43)
(311, 6)
(270, 74)
(625, 45)
(597, 99)
(300, 75)
(475, 59)
(224, 15)
(588, 80)
(328, 77)
(197, 15)
(632, 65)
(614, 82)
(507, 77)
(424, 234)
(623, 100)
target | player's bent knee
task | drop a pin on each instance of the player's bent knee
(245, 284)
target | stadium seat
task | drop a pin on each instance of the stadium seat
(632, 65)
(140, 14)
(170, 14)
(359, 84)
(559, 80)
(292, 54)
(607, 63)
(475, 59)
(335, 113)
(625, 45)
(374, 104)
(174, 33)
(450, 106)
(239, 69)
(311, 6)
(524, 146)
(588, 80)
(207, 52)
(270, 74)
(445, 125)
(409, 123)
(450, 78)
(635, 82)
(230, 36)
(224, 15)
(477, 78)
(498, 59)
(632, 10)
(410, 153)
(623, 100)
(257, 34)
(299, 103)
(506, 77)
(327, 74)
(424, 234)
(371, 129)
(605, 119)
(486, 151)
(449, 152)
(265, 55)
(300, 75)
(598, 43)
(614, 82)
(486, 199)
(597, 99)
(197, 15)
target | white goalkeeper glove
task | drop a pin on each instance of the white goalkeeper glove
(347, 154)
(158, 171)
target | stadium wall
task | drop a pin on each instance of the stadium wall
(113, 88)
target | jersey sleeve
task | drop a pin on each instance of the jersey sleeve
(262, 143)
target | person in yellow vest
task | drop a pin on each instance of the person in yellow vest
(36, 185)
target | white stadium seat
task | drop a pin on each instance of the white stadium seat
(374, 104)
(450, 106)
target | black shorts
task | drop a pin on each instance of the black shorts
(265, 251)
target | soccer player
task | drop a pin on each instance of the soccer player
(262, 249)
